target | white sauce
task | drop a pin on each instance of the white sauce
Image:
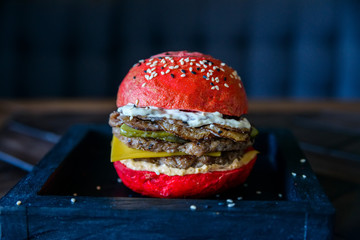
(193, 119)
(170, 171)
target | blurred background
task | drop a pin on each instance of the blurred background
(301, 49)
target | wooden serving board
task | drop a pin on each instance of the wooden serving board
(74, 192)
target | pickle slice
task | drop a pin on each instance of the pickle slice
(127, 131)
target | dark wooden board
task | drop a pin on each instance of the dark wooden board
(273, 203)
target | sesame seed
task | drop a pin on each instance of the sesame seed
(294, 174)
(215, 67)
(258, 192)
(230, 205)
(212, 79)
(198, 69)
(217, 79)
(148, 63)
(155, 74)
(226, 85)
(98, 187)
(176, 67)
(193, 72)
(171, 67)
(303, 160)
(303, 176)
(167, 71)
(181, 62)
(186, 59)
(204, 66)
(183, 75)
(192, 207)
(157, 172)
(153, 69)
(239, 198)
(197, 64)
(144, 84)
(183, 71)
(193, 60)
(222, 69)
(212, 84)
(202, 70)
(240, 85)
(162, 73)
(148, 70)
(73, 200)
(119, 180)
(191, 63)
(205, 77)
(229, 200)
(18, 203)
(211, 71)
(190, 69)
(172, 75)
(165, 65)
(222, 64)
(147, 77)
(280, 195)
(217, 87)
(212, 88)
(137, 102)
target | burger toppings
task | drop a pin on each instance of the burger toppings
(177, 139)
(193, 119)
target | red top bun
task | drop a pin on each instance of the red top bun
(186, 81)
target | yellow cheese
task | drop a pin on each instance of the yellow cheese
(120, 151)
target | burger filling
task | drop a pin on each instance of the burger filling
(179, 139)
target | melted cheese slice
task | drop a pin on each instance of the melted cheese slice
(119, 151)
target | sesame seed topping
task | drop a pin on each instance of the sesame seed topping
(73, 200)
(144, 84)
(197, 64)
(240, 85)
(167, 71)
(229, 200)
(294, 174)
(230, 205)
(183, 75)
(258, 192)
(212, 88)
(303, 160)
(202, 70)
(217, 87)
(226, 85)
(191, 63)
(137, 102)
(205, 77)
(303, 176)
(239, 198)
(190, 69)
(198, 69)
(162, 73)
(119, 180)
(171, 67)
(222, 64)
(222, 69)
(193, 60)
(147, 77)
(172, 75)
(176, 67)
(212, 84)
(18, 203)
(183, 71)
(193, 72)
(280, 195)
(98, 187)
(192, 207)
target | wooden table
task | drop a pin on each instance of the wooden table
(328, 132)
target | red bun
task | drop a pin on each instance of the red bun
(197, 90)
(192, 185)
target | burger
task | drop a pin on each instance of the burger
(180, 128)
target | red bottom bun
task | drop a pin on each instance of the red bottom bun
(191, 185)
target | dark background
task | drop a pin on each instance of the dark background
(281, 49)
